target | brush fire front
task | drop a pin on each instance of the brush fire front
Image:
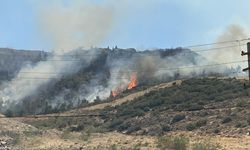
(132, 84)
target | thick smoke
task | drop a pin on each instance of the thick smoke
(150, 67)
(229, 51)
(86, 24)
(80, 24)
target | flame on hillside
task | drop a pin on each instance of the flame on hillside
(114, 93)
(132, 84)
(133, 81)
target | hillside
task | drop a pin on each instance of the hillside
(130, 97)
(108, 70)
(163, 107)
(206, 105)
(205, 109)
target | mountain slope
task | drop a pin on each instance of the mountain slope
(211, 109)
(205, 106)
(109, 70)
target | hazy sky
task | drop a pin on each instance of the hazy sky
(141, 24)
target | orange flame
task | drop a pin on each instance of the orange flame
(133, 81)
(114, 93)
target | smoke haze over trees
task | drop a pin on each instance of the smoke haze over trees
(94, 79)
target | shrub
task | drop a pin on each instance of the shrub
(166, 128)
(190, 127)
(123, 126)
(170, 143)
(76, 128)
(240, 125)
(115, 123)
(133, 129)
(248, 120)
(242, 103)
(204, 146)
(95, 129)
(137, 112)
(85, 136)
(180, 143)
(66, 134)
(201, 123)
(113, 147)
(155, 130)
(216, 130)
(15, 136)
(203, 113)
(197, 124)
(177, 118)
(32, 133)
(8, 113)
(226, 120)
(195, 107)
(137, 146)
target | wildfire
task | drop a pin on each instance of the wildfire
(133, 81)
(114, 93)
(132, 84)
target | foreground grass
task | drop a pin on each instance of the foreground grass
(183, 143)
(110, 141)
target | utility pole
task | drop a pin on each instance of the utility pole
(248, 59)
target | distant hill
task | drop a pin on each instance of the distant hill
(108, 70)
(11, 60)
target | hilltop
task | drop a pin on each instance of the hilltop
(13, 60)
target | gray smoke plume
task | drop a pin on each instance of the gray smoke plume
(232, 32)
(77, 25)
(80, 23)
(85, 24)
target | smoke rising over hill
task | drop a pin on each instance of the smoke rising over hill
(95, 74)
(229, 51)
(80, 24)
(75, 72)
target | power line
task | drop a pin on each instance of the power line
(138, 55)
(56, 116)
(223, 42)
(218, 48)
(130, 70)
(211, 65)
(180, 68)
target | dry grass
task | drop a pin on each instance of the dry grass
(54, 139)
(126, 98)
(113, 140)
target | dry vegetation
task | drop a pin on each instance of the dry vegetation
(195, 114)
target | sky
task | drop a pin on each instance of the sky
(143, 24)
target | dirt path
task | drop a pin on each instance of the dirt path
(127, 98)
